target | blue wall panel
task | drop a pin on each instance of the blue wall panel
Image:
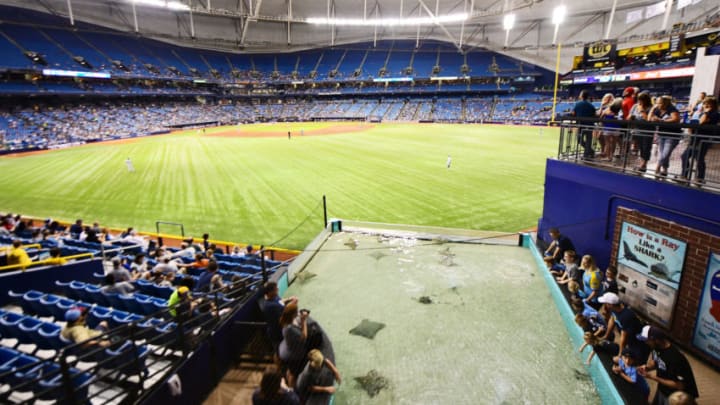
(582, 200)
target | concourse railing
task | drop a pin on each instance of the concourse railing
(685, 154)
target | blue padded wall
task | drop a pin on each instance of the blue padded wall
(582, 200)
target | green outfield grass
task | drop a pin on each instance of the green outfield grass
(258, 189)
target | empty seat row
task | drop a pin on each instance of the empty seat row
(136, 303)
(22, 371)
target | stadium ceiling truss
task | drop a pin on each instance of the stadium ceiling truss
(284, 25)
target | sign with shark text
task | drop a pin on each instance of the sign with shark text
(658, 256)
(707, 326)
(649, 268)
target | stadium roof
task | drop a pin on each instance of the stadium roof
(285, 25)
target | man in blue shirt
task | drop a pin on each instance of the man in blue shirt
(584, 109)
(209, 280)
(272, 307)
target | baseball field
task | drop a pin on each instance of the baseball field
(251, 184)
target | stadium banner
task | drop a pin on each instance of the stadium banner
(707, 325)
(599, 52)
(649, 270)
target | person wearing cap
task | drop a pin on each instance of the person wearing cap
(77, 331)
(180, 302)
(120, 273)
(316, 382)
(627, 369)
(673, 371)
(625, 320)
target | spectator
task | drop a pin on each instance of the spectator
(77, 331)
(639, 114)
(627, 369)
(699, 144)
(272, 309)
(611, 130)
(55, 259)
(300, 335)
(120, 273)
(210, 280)
(609, 284)
(571, 271)
(116, 287)
(181, 304)
(316, 383)
(607, 100)
(591, 282)
(673, 369)
(556, 250)
(273, 390)
(584, 109)
(595, 344)
(668, 139)
(76, 229)
(200, 261)
(681, 398)
(18, 255)
(627, 322)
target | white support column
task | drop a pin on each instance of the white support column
(462, 26)
(192, 22)
(401, 8)
(70, 13)
(290, 16)
(135, 16)
(375, 33)
(417, 38)
(668, 10)
(610, 20)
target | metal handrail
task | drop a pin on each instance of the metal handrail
(44, 261)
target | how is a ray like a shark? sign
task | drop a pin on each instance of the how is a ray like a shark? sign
(649, 266)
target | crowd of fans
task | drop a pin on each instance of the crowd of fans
(640, 110)
(50, 126)
(612, 328)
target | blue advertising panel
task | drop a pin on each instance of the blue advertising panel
(707, 326)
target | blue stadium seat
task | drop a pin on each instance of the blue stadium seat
(124, 359)
(27, 329)
(48, 337)
(9, 322)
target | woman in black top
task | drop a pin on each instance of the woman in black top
(699, 144)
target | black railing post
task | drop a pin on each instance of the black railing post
(67, 379)
(264, 266)
(325, 210)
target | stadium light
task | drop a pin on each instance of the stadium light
(559, 14)
(172, 5)
(509, 22)
(371, 22)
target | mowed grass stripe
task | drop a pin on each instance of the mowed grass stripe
(257, 189)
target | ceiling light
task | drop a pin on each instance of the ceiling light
(412, 21)
(172, 5)
(559, 14)
(509, 22)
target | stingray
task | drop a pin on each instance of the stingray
(367, 329)
(425, 300)
(304, 276)
(351, 243)
(446, 252)
(377, 255)
(580, 376)
(372, 382)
